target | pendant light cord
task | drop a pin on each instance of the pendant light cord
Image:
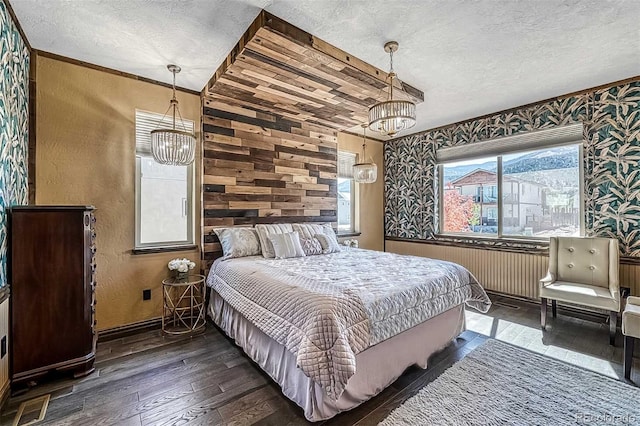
(173, 106)
(391, 74)
(364, 144)
(174, 101)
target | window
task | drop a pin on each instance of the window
(533, 193)
(470, 196)
(346, 192)
(164, 194)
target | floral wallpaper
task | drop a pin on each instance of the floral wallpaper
(611, 120)
(14, 124)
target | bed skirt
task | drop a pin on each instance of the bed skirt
(376, 368)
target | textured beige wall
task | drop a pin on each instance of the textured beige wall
(371, 196)
(86, 155)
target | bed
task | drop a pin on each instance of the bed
(334, 330)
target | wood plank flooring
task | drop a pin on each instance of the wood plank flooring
(149, 379)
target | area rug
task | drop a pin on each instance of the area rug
(499, 384)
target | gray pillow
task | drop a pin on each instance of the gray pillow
(264, 231)
(238, 242)
(329, 243)
(286, 245)
(311, 246)
(308, 230)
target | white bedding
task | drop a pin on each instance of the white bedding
(378, 366)
(325, 309)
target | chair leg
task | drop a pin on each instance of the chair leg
(554, 309)
(613, 323)
(543, 313)
(628, 356)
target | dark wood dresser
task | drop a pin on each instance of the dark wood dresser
(51, 271)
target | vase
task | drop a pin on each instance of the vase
(181, 277)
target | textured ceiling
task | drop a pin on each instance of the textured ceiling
(469, 57)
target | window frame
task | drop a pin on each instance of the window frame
(352, 205)
(190, 205)
(499, 175)
(353, 228)
(189, 213)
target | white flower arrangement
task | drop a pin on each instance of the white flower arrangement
(181, 265)
(350, 243)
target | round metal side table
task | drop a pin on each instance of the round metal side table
(183, 305)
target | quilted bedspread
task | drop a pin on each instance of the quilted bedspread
(326, 309)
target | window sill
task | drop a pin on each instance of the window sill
(538, 247)
(485, 243)
(348, 234)
(151, 250)
(544, 241)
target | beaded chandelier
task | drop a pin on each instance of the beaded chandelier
(367, 171)
(392, 116)
(174, 146)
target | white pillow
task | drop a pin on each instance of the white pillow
(329, 243)
(238, 242)
(286, 245)
(263, 234)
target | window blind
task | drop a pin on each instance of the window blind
(148, 121)
(548, 138)
(346, 160)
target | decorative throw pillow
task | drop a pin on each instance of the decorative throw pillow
(311, 246)
(264, 231)
(308, 230)
(329, 243)
(286, 245)
(328, 230)
(238, 242)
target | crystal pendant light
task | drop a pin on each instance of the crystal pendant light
(367, 171)
(174, 146)
(392, 116)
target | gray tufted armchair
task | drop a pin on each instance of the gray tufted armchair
(583, 271)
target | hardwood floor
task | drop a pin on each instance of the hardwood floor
(148, 379)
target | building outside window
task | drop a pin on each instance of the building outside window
(533, 193)
(164, 194)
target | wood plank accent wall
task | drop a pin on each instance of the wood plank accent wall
(269, 119)
(263, 168)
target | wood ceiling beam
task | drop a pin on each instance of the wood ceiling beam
(307, 39)
(279, 67)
